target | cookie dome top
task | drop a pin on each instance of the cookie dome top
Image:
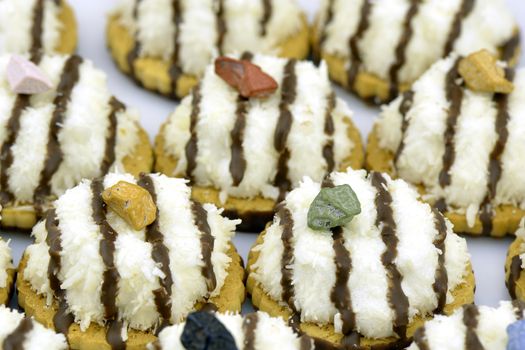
(191, 32)
(472, 327)
(19, 332)
(395, 260)
(50, 141)
(300, 129)
(253, 331)
(30, 26)
(397, 40)
(465, 147)
(5, 262)
(97, 268)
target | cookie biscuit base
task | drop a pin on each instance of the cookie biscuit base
(152, 73)
(23, 215)
(505, 220)
(515, 249)
(463, 294)
(68, 32)
(367, 85)
(230, 299)
(6, 292)
(254, 212)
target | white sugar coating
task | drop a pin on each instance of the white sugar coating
(270, 333)
(448, 332)
(217, 118)
(38, 337)
(16, 22)
(155, 29)
(139, 274)
(82, 135)
(314, 267)
(5, 262)
(475, 137)
(481, 29)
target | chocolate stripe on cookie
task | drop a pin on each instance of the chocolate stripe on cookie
(191, 148)
(15, 340)
(404, 107)
(20, 104)
(340, 294)
(54, 154)
(385, 222)
(495, 164)
(440, 285)
(355, 56)
(267, 14)
(454, 95)
(420, 339)
(470, 320)
(328, 148)
(286, 222)
(238, 162)
(36, 50)
(455, 30)
(111, 276)
(200, 216)
(222, 28)
(400, 52)
(283, 127)
(62, 318)
(135, 51)
(514, 275)
(159, 254)
(510, 48)
(174, 70)
(111, 140)
(249, 326)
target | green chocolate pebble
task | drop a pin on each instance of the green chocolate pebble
(333, 207)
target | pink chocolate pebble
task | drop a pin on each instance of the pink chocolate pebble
(25, 77)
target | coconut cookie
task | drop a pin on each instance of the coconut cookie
(256, 331)
(378, 48)
(359, 260)
(37, 27)
(245, 153)
(165, 45)
(474, 327)
(20, 332)
(458, 135)
(117, 259)
(7, 272)
(72, 129)
(514, 266)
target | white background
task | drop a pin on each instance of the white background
(488, 255)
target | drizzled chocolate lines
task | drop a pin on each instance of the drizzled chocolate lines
(111, 140)
(329, 17)
(238, 161)
(510, 48)
(191, 148)
(288, 290)
(15, 340)
(514, 275)
(404, 107)
(20, 104)
(175, 70)
(135, 51)
(54, 154)
(63, 318)
(400, 51)
(495, 166)
(221, 25)
(328, 148)
(111, 276)
(283, 127)
(200, 216)
(454, 95)
(267, 15)
(249, 325)
(440, 285)
(385, 222)
(355, 56)
(420, 339)
(455, 30)
(470, 320)
(159, 254)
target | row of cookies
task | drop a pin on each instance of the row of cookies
(461, 145)
(375, 49)
(355, 260)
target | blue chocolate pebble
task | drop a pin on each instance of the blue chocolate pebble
(516, 332)
(203, 331)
